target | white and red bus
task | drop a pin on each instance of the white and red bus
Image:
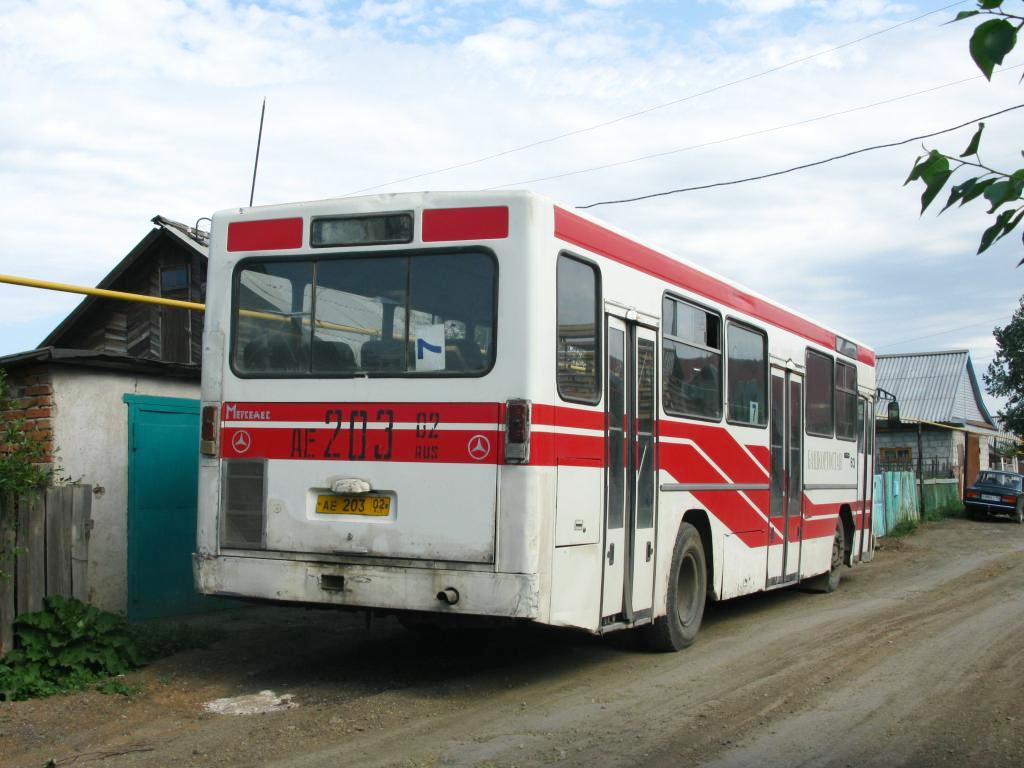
(488, 404)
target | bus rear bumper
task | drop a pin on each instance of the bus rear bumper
(480, 593)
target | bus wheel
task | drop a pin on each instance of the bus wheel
(687, 593)
(828, 582)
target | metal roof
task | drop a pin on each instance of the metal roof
(933, 386)
(88, 358)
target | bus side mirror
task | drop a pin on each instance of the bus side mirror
(894, 414)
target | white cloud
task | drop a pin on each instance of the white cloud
(114, 112)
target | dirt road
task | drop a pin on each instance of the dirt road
(917, 660)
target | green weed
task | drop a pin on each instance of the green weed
(67, 646)
(904, 528)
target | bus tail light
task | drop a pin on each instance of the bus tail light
(243, 516)
(517, 432)
(208, 428)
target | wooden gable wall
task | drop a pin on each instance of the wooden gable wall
(146, 330)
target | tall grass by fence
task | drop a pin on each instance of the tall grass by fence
(44, 550)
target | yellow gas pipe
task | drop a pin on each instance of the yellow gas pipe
(177, 304)
(103, 292)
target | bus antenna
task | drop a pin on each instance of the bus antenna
(259, 138)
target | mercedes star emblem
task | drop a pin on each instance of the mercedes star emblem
(241, 441)
(479, 447)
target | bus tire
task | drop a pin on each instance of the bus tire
(828, 581)
(687, 594)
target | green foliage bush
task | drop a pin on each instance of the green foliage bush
(67, 646)
(21, 467)
(903, 528)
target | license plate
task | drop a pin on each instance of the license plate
(353, 504)
(990, 497)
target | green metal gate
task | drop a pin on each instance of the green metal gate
(163, 463)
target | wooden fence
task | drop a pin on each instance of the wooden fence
(44, 550)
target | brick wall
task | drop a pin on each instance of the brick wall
(31, 397)
(942, 450)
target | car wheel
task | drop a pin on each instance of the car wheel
(687, 595)
(827, 582)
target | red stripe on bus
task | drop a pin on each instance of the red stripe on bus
(552, 448)
(761, 453)
(265, 235)
(316, 413)
(484, 223)
(587, 234)
(721, 448)
(450, 446)
(562, 416)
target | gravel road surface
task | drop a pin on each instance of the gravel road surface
(917, 660)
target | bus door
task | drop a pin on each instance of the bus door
(865, 473)
(787, 484)
(631, 363)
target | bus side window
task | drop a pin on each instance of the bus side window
(747, 374)
(578, 304)
(819, 394)
(691, 360)
(846, 401)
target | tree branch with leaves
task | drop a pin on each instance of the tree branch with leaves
(1005, 374)
(990, 43)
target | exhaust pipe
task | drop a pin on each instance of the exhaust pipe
(450, 596)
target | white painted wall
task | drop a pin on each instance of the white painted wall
(90, 430)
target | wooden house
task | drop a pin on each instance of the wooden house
(112, 392)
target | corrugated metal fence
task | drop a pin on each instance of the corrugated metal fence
(44, 550)
(896, 498)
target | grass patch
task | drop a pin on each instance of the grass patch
(904, 528)
(944, 513)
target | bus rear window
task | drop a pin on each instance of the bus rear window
(423, 314)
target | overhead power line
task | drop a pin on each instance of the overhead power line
(800, 167)
(747, 135)
(943, 333)
(655, 107)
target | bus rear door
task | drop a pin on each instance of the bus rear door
(631, 462)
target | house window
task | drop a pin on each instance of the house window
(896, 456)
(691, 360)
(175, 324)
(174, 281)
(819, 394)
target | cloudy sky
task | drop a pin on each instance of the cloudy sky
(115, 111)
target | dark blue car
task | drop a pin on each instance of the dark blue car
(996, 493)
